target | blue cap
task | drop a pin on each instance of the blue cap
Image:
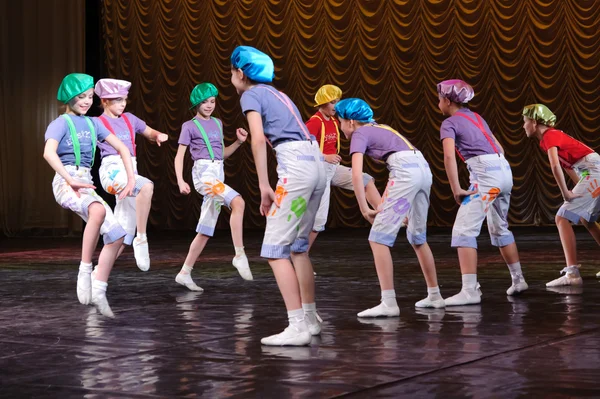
(255, 64)
(355, 109)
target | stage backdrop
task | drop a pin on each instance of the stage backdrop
(390, 53)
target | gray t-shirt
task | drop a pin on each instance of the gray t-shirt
(280, 116)
(377, 142)
(191, 136)
(59, 131)
(122, 132)
(468, 137)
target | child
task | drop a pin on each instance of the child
(131, 212)
(290, 209)
(325, 128)
(406, 196)
(69, 150)
(489, 195)
(582, 164)
(204, 135)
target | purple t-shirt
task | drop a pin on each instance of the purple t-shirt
(468, 138)
(279, 123)
(191, 136)
(376, 142)
(122, 132)
(59, 131)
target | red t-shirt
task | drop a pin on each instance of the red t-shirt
(569, 150)
(315, 127)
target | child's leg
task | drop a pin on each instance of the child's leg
(466, 229)
(91, 233)
(143, 202)
(567, 238)
(236, 221)
(143, 192)
(594, 231)
(372, 194)
(323, 210)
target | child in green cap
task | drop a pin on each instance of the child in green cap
(582, 203)
(204, 136)
(70, 146)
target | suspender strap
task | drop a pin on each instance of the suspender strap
(479, 124)
(397, 134)
(205, 136)
(75, 139)
(288, 103)
(106, 123)
(337, 131)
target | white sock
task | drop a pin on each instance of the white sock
(186, 269)
(98, 288)
(469, 281)
(309, 308)
(239, 251)
(141, 236)
(571, 270)
(515, 271)
(388, 297)
(434, 293)
(85, 267)
(296, 318)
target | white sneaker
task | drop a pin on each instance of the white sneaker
(381, 310)
(241, 264)
(571, 277)
(518, 287)
(140, 251)
(428, 303)
(465, 297)
(598, 274)
(84, 286)
(313, 321)
(292, 336)
(186, 281)
(100, 302)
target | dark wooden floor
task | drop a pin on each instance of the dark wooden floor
(169, 342)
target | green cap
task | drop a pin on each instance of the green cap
(540, 113)
(202, 92)
(73, 85)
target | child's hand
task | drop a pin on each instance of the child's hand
(333, 158)
(370, 215)
(460, 195)
(161, 138)
(267, 198)
(241, 134)
(78, 185)
(570, 196)
(184, 188)
(128, 190)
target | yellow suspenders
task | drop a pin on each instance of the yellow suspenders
(397, 134)
(337, 130)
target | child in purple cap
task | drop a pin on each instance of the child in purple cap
(132, 211)
(469, 135)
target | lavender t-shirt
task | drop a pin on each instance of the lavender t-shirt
(469, 139)
(376, 142)
(279, 123)
(191, 136)
(59, 131)
(122, 132)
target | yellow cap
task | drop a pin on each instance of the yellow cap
(327, 93)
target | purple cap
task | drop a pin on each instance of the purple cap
(456, 90)
(112, 88)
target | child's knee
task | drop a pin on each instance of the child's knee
(238, 204)
(147, 189)
(96, 212)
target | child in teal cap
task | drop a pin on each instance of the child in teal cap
(290, 209)
(70, 146)
(204, 137)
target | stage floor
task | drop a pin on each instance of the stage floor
(169, 342)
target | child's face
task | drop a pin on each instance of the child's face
(328, 109)
(348, 127)
(444, 105)
(206, 107)
(116, 106)
(237, 80)
(82, 102)
(529, 126)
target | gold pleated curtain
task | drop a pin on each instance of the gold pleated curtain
(390, 53)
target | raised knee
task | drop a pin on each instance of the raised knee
(147, 189)
(238, 204)
(96, 212)
(560, 220)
